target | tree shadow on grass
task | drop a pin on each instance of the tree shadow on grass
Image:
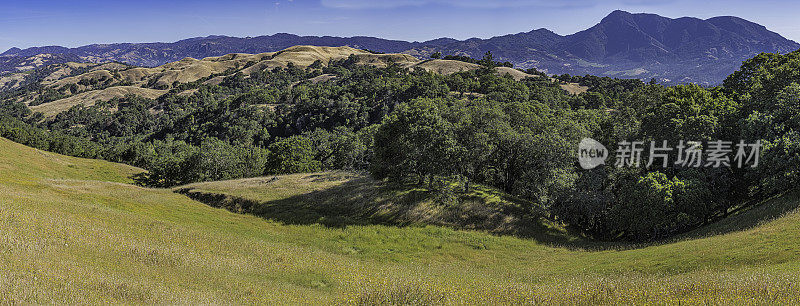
(747, 218)
(769, 210)
(362, 201)
(354, 202)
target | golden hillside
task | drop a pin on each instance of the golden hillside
(92, 97)
(87, 83)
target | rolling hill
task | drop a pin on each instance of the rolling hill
(87, 84)
(75, 231)
(641, 46)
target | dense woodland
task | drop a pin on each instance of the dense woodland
(447, 132)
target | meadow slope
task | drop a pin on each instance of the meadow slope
(75, 231)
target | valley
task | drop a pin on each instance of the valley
(639, 160)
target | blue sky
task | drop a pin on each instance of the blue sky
(80, 22)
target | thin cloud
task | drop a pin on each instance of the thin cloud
(387, 4)
(648, 2)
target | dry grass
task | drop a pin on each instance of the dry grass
(574, 88)
(306, 55)
(64, 70)
(89, 76)
(189, 70)
(451, 66)
(138, 76)
(745, 287)
(11, 81)
(514, 73)
(446, 66)
(215, 80)
(89, 98)
(322, 78)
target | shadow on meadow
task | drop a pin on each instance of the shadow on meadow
(356, 200)
(750, 217)
(360, 200)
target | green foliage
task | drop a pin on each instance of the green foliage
(688, 112)
(760, 78)
(22, 132)
(173, 162)
(343, 149)
(655, 206)
(292, 155)
(486, 61)
(416, 140)
(778, 126)
(513, 147)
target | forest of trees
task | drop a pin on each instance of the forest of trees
(475, 127)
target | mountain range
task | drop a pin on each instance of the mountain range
(622, 44)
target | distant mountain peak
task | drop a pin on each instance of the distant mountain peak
(543, 30)
(10, 52)
(617, 14)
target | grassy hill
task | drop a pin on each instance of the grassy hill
(74, 231)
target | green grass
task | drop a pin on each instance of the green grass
(72, 231)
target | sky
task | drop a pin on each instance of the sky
(28, 23)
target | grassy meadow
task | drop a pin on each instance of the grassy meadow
(76, 231)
